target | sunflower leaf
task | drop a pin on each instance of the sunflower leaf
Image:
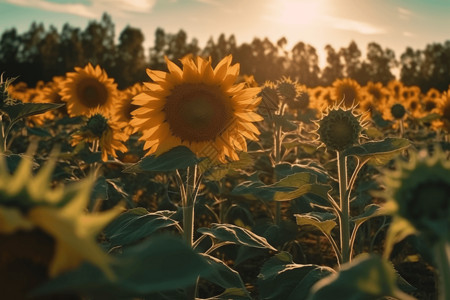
(222, 275)
(134, 225)
(21, 110)
(378, 151)
(281, 278)
(321, 220)
(366, 277)
(236, 235)
(160, 264)
(177, 158)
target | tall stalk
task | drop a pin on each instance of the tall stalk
(344, 217)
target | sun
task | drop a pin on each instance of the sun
(295, 12)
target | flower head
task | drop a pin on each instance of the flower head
(51, 221)
(346, 90)
(88, 88)
(103, 130)
(418, 192)
(340, 128)
(124, 107)
(198, 107)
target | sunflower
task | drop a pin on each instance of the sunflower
(417, 194)
(395, 88)
(44, 229)
(347, 90)
(103, 131)
(198, 107)
(124, 107)
(51, 94)
(443, 109)
(340, 127)
(88, 88)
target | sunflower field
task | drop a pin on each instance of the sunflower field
(201, 183)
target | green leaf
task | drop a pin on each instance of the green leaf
(366, 277)
(232, 293)
(236, 235)
(163, 263)
(218, 172)
(285, 169)
(177, 158)
(21, 110)
(321, 220)
(280, 278)
(288, 188)
(370, 211)
(379, 152)
(221, 274)
(286, 124)
(134, 225)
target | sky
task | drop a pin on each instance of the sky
(393, 24)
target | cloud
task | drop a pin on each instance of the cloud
(408, 34)
(353, 25)
(70, 8)
(404, 13)
(93, 10)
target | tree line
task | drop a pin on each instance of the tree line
(40, 54)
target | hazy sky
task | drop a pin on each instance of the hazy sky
(393, 24)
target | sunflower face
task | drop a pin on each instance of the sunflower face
(197, 112)
(339, 129)
(346, 90)
(198, 107)
(398, 111)
(420, 189)
(86, 89)
(53, 224)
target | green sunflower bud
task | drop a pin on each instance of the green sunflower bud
(339, 129)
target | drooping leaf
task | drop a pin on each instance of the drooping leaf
(237, 235)
(379, 152)
(221, 274)
(136, 224)
(21, 110)
(177, 158)
(321, 220)
(218, 172)
(281, 278)
(162, 263)
(366, 277)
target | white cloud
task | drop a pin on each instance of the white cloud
(404, 13)
(353, 25)
(93, 10)
(70, 8)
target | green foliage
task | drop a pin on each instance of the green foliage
(280, 278)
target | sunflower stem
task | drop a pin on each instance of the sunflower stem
(344, 220)
(2, 136)
(442, 254)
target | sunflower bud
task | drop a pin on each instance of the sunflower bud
(339, 129)
(398, 111)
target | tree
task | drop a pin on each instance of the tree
(379, 64)
(304, 66)
(130, 61)
(411, 62)
(334, 68)
(71, 48)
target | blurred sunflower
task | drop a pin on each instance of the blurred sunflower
(51, 94)
(103, 132)
(44, 229)
(124, 107)
(270, 98)
(417, 194)
(429, 102)
(443, 109)
(198, 107)
(395, 88)
(88, 88)
(347, 90)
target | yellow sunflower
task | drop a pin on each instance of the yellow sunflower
(443, 109)
(44, 229)
(103, 131)
(395, 88)
(88, 88)
(347, 90)
(198, 107)
(124, 107)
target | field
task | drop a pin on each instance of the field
(202, 183)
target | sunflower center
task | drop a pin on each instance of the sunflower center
(339, 130)
(97, 124)
(197, 112)
(92, 93)
(398, 111)
(429, 105)
(24, 268)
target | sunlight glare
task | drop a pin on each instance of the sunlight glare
(295, 12)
